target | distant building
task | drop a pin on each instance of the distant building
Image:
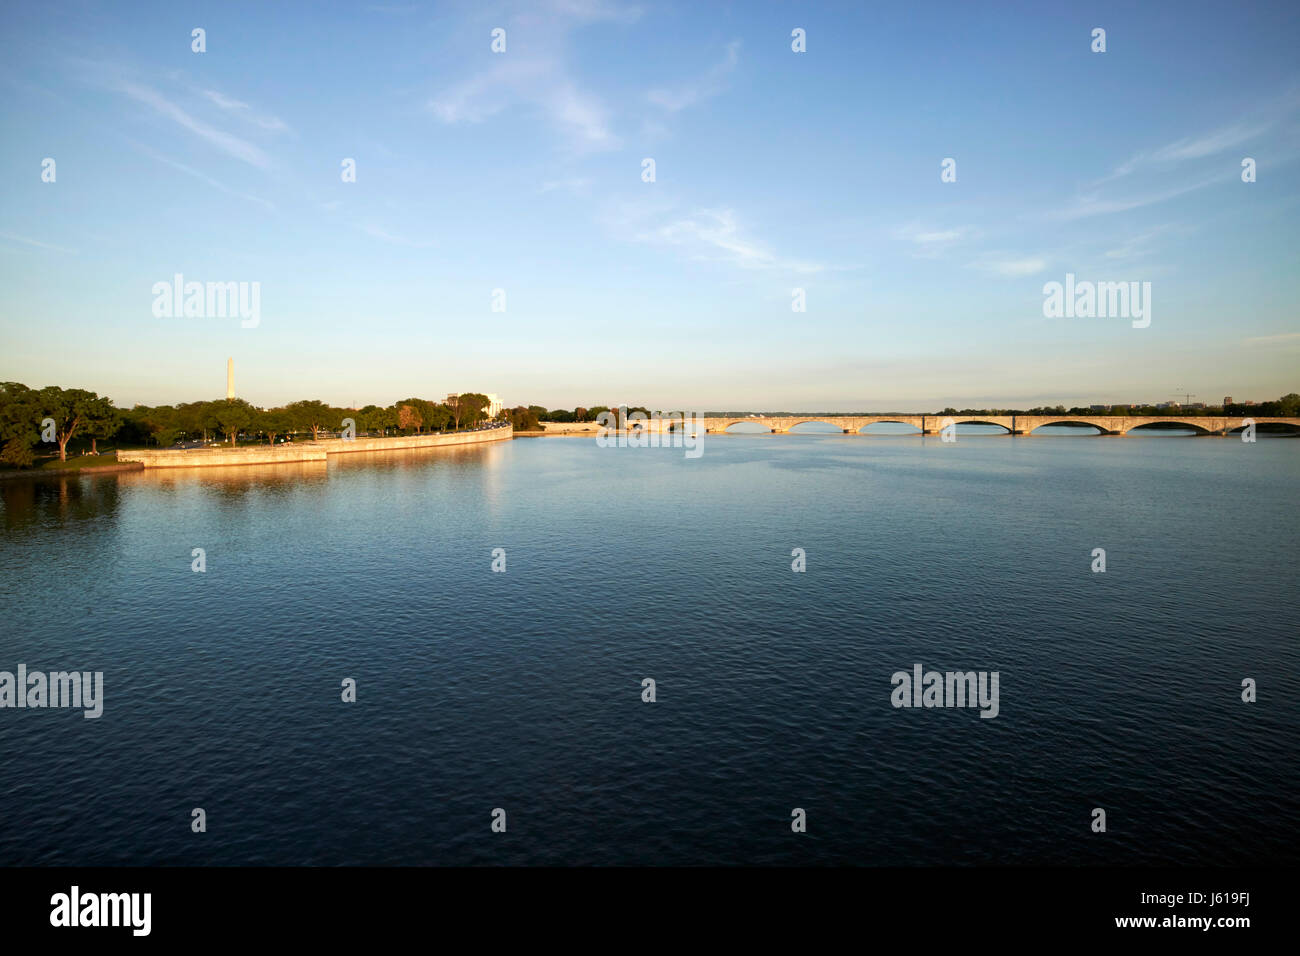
(1167, 405)
(1227, 399)
(1196, 405)
(1099, 408)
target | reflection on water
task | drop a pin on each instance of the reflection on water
(47, 503)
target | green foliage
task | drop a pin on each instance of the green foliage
(19, 417)
(72, 409)
(410, 414)
(473, 407)
(17, 453)
(311, 415)
(273, 422)
(233, 416)
(143, 425)
(374, 418)
(524, 419)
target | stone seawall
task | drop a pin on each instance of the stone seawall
(300, 451)
(337, 446)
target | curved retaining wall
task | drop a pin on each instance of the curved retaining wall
(337, 446)
(301, 451)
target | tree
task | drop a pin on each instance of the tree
(235, 415)
(580, 414)
(437, 416)
(71, 409)
(17, 453)
(473, 407)
(524, 419)
(195, 419)
(312, 414)
(273, 422)
(456, 408)
(20, 418)
(106, 426)
(408, 416)
(161, 425)
(386, 418)
(372, 418)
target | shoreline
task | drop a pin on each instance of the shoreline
(297, 452)
(66, 472)
(149, 459)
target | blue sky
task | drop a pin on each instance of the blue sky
(775, 170)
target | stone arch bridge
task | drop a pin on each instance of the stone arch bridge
(1013, 424)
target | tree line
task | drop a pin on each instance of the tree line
(36, 418)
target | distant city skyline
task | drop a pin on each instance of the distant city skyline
(517, 182)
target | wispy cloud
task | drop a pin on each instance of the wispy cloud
(271, 123)
(712, 83)
(1137, 246)
(1194, 147)
(1010, 268)
(1094, 204)
(202, 177)
(541, 85)
(948, 235)
(577, 185)
(375, 232)
(534, 76)
(715, 235)
(35, 242)
(1284, 338)
(928, 242)
(226, 142)
(1158, 172)
(929, 236)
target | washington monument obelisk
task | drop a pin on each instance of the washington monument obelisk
(230, 378)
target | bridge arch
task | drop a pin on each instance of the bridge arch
(912, 427)
(1144, 426)
(763, 423)
(940, 420)
(1073, 423)
(814, 421)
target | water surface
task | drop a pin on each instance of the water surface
(522, 690)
